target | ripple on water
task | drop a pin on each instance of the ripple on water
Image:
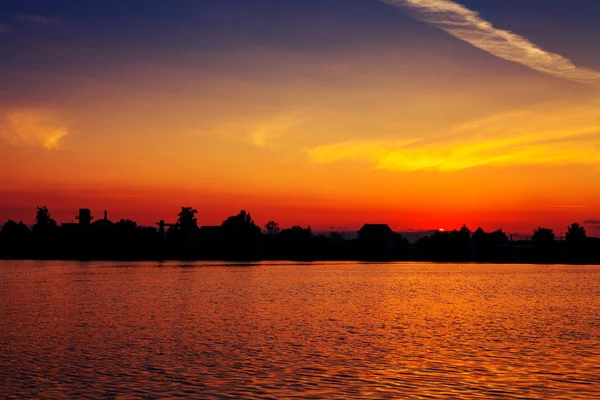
(284, 330)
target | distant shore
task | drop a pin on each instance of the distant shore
(312, 260)
(238, 238)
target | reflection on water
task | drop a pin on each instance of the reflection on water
(281, 330)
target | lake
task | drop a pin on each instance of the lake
(293, 330)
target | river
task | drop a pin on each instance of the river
(298, 330)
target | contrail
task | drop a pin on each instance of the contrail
(467, 25)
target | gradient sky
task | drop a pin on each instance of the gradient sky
(417, 113)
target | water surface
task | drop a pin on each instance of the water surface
(285, 330)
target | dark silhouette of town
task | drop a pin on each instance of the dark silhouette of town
(239, 238)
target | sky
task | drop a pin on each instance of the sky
(421, 114)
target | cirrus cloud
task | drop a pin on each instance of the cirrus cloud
(465, 24)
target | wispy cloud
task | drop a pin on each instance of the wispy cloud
(593, 221)
(26, 127)
(5, 28)
(468, 26)
(530, 137)
(37, 19)
(263, 133)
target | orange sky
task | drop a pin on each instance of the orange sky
(419, 133)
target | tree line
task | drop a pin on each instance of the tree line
(240, 238)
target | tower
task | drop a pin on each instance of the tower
(85, 216)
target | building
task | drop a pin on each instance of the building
(85, 219)
(376, 233)
(85, 216)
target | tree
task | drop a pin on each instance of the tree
(14, 239)
(479, 237)
(241, 235)
(9, 229)
(13, 230)
(187, 220)
(43, 217)
(543, 237)
(44, 223)
(297, 234)
(272, 228)
(296, 242)
(126, 225)
(465, 231)
(500, 236)
(241, 225)
(576, 235)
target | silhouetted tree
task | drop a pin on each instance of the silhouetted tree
(479, 237)
(43, 217)
(187, 219)
(449, 246)
(241, 235)
(464, 233)
(14, 240)
(272, 228)
(400, 245)
(486, 246)
(13, 230)
(297, 234)
(126, 225)
(423, 246)
(576, 235)
(44, 223)
(500, 236)
(296, 242)
(543, 237)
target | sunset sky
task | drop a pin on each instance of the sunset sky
(417, 113)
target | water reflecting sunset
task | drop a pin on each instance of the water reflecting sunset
(287, 330)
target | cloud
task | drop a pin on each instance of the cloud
(544, 136)
(37, 19)
(593, 221)
(467, 25)
(27, 127)
(5, 28)
(264, 133)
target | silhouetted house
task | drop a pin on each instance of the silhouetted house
(85, 219)
(85, 224)
(376, 233)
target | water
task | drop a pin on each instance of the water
(284, 330)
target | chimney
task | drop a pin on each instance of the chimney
(105, 215)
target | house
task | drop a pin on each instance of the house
(376, 233)
(85, 219)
